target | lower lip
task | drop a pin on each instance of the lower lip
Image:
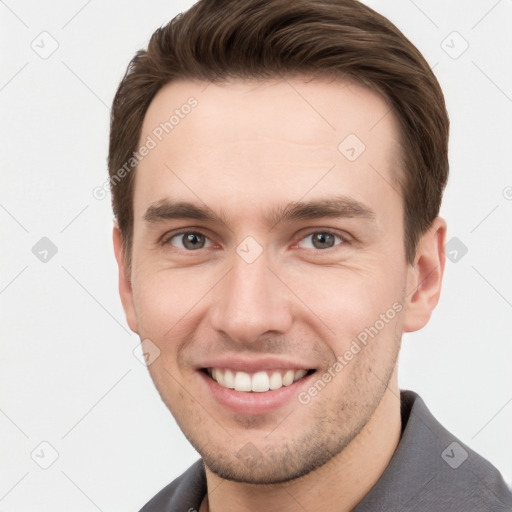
(254, 402)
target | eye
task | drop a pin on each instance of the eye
(320, 240)
(188, 240)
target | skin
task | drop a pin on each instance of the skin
(248, 148)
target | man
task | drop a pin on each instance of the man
(277, 171)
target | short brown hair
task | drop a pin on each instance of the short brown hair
(218, 40)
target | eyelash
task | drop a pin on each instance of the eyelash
(345, 239)
(166, 239)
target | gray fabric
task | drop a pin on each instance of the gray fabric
(427, 473)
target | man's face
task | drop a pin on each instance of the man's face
(265, 284)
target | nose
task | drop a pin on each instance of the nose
(250, 302)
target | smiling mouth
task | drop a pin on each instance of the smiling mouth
(258, 382)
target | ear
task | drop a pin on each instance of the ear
(424, 277)
(125, 286)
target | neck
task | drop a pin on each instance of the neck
(337, 486)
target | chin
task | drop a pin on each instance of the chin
(277, 465)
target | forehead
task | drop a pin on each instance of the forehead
(261, 142)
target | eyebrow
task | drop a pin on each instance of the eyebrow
(332, 207)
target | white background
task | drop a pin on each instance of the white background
(69, 375)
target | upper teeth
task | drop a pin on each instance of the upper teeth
(259, 381)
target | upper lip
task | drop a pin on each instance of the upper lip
(254, 364)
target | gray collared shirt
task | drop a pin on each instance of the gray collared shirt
(430, 471)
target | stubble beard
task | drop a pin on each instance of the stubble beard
(332, 427)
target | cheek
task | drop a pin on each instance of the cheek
(349, 300)
(164, 298)
(167, 304)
